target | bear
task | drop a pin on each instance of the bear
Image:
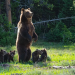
(43, 56)
(2, 53)
(35, 55)
(25, 35)
(9, 56)
(1, 56)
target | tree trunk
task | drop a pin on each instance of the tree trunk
(8, 10)
(0, 6)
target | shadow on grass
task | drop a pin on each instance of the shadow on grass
(48, 45)
(37, 64)
(54, 45)
(40, 64)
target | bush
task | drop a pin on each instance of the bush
(72, 30)
(59, 34)
(7, 34)
(53, 35)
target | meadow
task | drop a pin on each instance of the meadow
(59, 54)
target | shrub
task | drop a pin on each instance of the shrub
(7, 34)
(72, 30)
(59, 33)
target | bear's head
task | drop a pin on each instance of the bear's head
(26, 13)
(43, 51)
(12, 53)
(39, 52)
(3, 52)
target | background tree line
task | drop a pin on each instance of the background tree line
(58, 31)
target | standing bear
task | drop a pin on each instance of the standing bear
(25, 35)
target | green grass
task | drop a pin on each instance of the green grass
(59, 54)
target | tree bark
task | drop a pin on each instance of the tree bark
(0, 6)
(8, 10)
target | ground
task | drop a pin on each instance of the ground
(59, 53)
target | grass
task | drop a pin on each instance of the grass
(59, 54)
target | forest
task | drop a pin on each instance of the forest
(54, 22)
(54, 31)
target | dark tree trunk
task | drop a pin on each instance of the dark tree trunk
(8, 10)
(0, 6)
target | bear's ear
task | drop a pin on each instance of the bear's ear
(1, 49)
(36, 49)
(28, 8)
(22, 9)
(44, 48)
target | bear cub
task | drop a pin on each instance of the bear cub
(35, 55)
(2, 53)
(43, 55)
(9, 56)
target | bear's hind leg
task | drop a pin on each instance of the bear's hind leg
(22, 56)
(28, 54)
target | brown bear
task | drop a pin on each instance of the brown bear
(43, 55)
(2, 53)
(25, 35)
(35, 55)
(9, 56)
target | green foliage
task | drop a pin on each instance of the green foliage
(59, 33)
(44, 10)
(65, 63)
(66, 12)
(48, 58)
(34, 73)
(66, 34)
(72, 30)
(7, 35)
(73, 21)
(38, 30)
(36, 1)
(15, 10)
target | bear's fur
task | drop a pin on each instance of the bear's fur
(2, 53)
(1, 56)
(9, 56)
(35, 55)
(43, 55)
(25, 35)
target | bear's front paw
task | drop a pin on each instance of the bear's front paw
(35, 39)
(29, 39)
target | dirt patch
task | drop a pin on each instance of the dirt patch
(5, 65)
(61, 67)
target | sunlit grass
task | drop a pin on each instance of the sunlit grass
(59, 54)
